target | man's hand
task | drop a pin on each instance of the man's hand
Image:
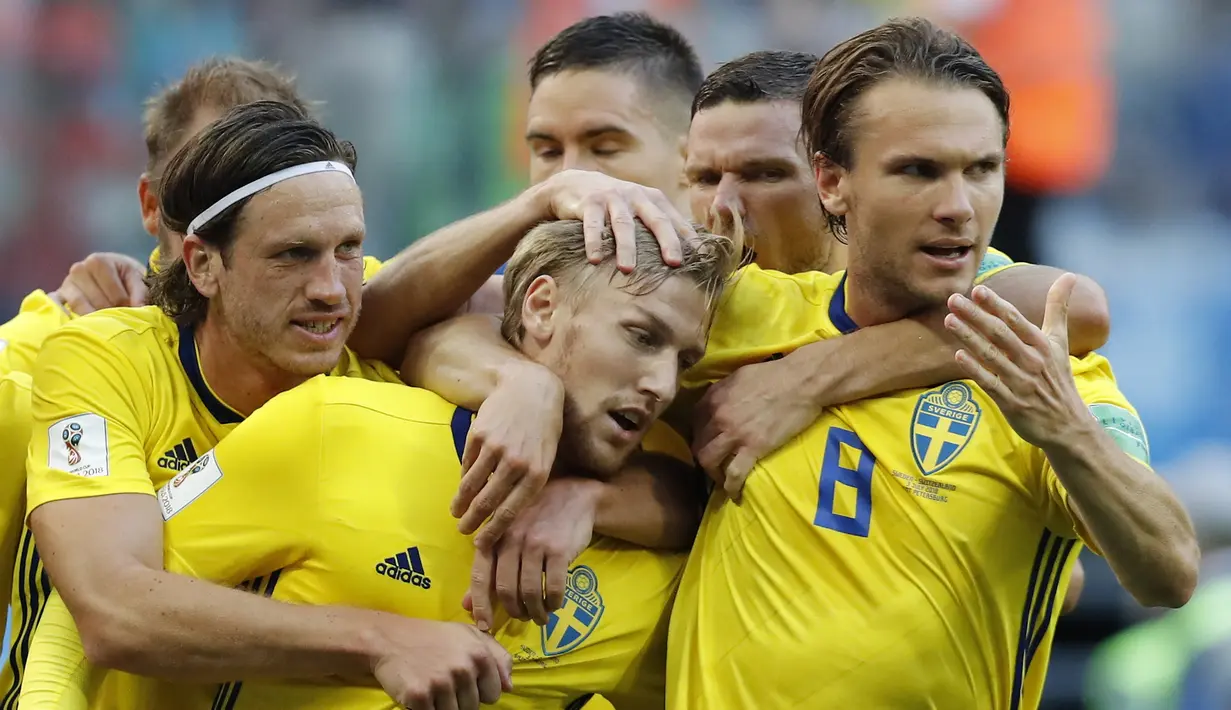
(100, 281)
(433, 665)
(595, 199)
(509, 452)
(1025, 370)
(543, 542)
(746, 417)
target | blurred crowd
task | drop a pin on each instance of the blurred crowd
(1120, 168)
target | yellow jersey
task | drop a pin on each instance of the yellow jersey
(908, 550)
(120, 405)
(21, 337)
(14, 439)
(337, 492)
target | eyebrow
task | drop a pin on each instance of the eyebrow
(747, 166)
(995, 157)
(660, 325)
(588, 134)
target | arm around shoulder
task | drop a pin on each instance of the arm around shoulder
(1089, 315)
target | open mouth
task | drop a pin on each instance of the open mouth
(947, 252)
(629, 420)
(319, 327)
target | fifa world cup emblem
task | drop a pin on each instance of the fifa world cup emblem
(72, 440)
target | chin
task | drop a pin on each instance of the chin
(603, 460)
(310, 364)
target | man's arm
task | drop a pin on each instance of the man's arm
(656, 502)
(1026, 286)
(466, 361)
(918, 352)
(1121, 507)
(433, 279)
(100, 535)
(1130, 514)
(155, 622)
(130, 612)
(762, 406)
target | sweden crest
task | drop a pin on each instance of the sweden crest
(944, 422)
(573, 623)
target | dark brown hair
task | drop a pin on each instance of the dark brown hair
(912, 48)
(760, 76)
(248, 143)
(654, 53)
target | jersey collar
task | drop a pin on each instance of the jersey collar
(837, 310)
(190, 358)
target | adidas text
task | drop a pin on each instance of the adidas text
(406, 567)
(403, 575)
(179, 457)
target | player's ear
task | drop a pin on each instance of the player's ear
(830, 184)
(202, 263)
(149, 206)
(538, 310)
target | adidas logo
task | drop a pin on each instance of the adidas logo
(405, 567)
(178, 457)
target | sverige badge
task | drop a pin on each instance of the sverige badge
(573, 623)
(944, 422)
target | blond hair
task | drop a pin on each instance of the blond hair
(220, 83)
(558, 250)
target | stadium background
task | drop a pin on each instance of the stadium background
(433, 93)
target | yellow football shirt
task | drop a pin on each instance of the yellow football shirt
(21, 337)
(905, 551)
(338, 492)
(120, 405)
(14, 438)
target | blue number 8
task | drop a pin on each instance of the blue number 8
(859, 478)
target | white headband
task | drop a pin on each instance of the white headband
(257, 185)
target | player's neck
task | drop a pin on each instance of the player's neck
(243, 381)
(868, 304)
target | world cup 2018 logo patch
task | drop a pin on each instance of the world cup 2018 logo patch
(945, 421)
(573, 623)
(72, 441)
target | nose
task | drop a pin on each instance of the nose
(727, 199)
(577, 159)
(325, 281)
(661, 379)
(954, 208)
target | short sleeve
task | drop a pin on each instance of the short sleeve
(994, 261)
(23, 336)
(91, 411)
(249, 506)
(763, 314)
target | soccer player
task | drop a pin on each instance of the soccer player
(262, 299)
(906, 550)
(172, 116)
(339, 489)
(611, 93)
(746, 160)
